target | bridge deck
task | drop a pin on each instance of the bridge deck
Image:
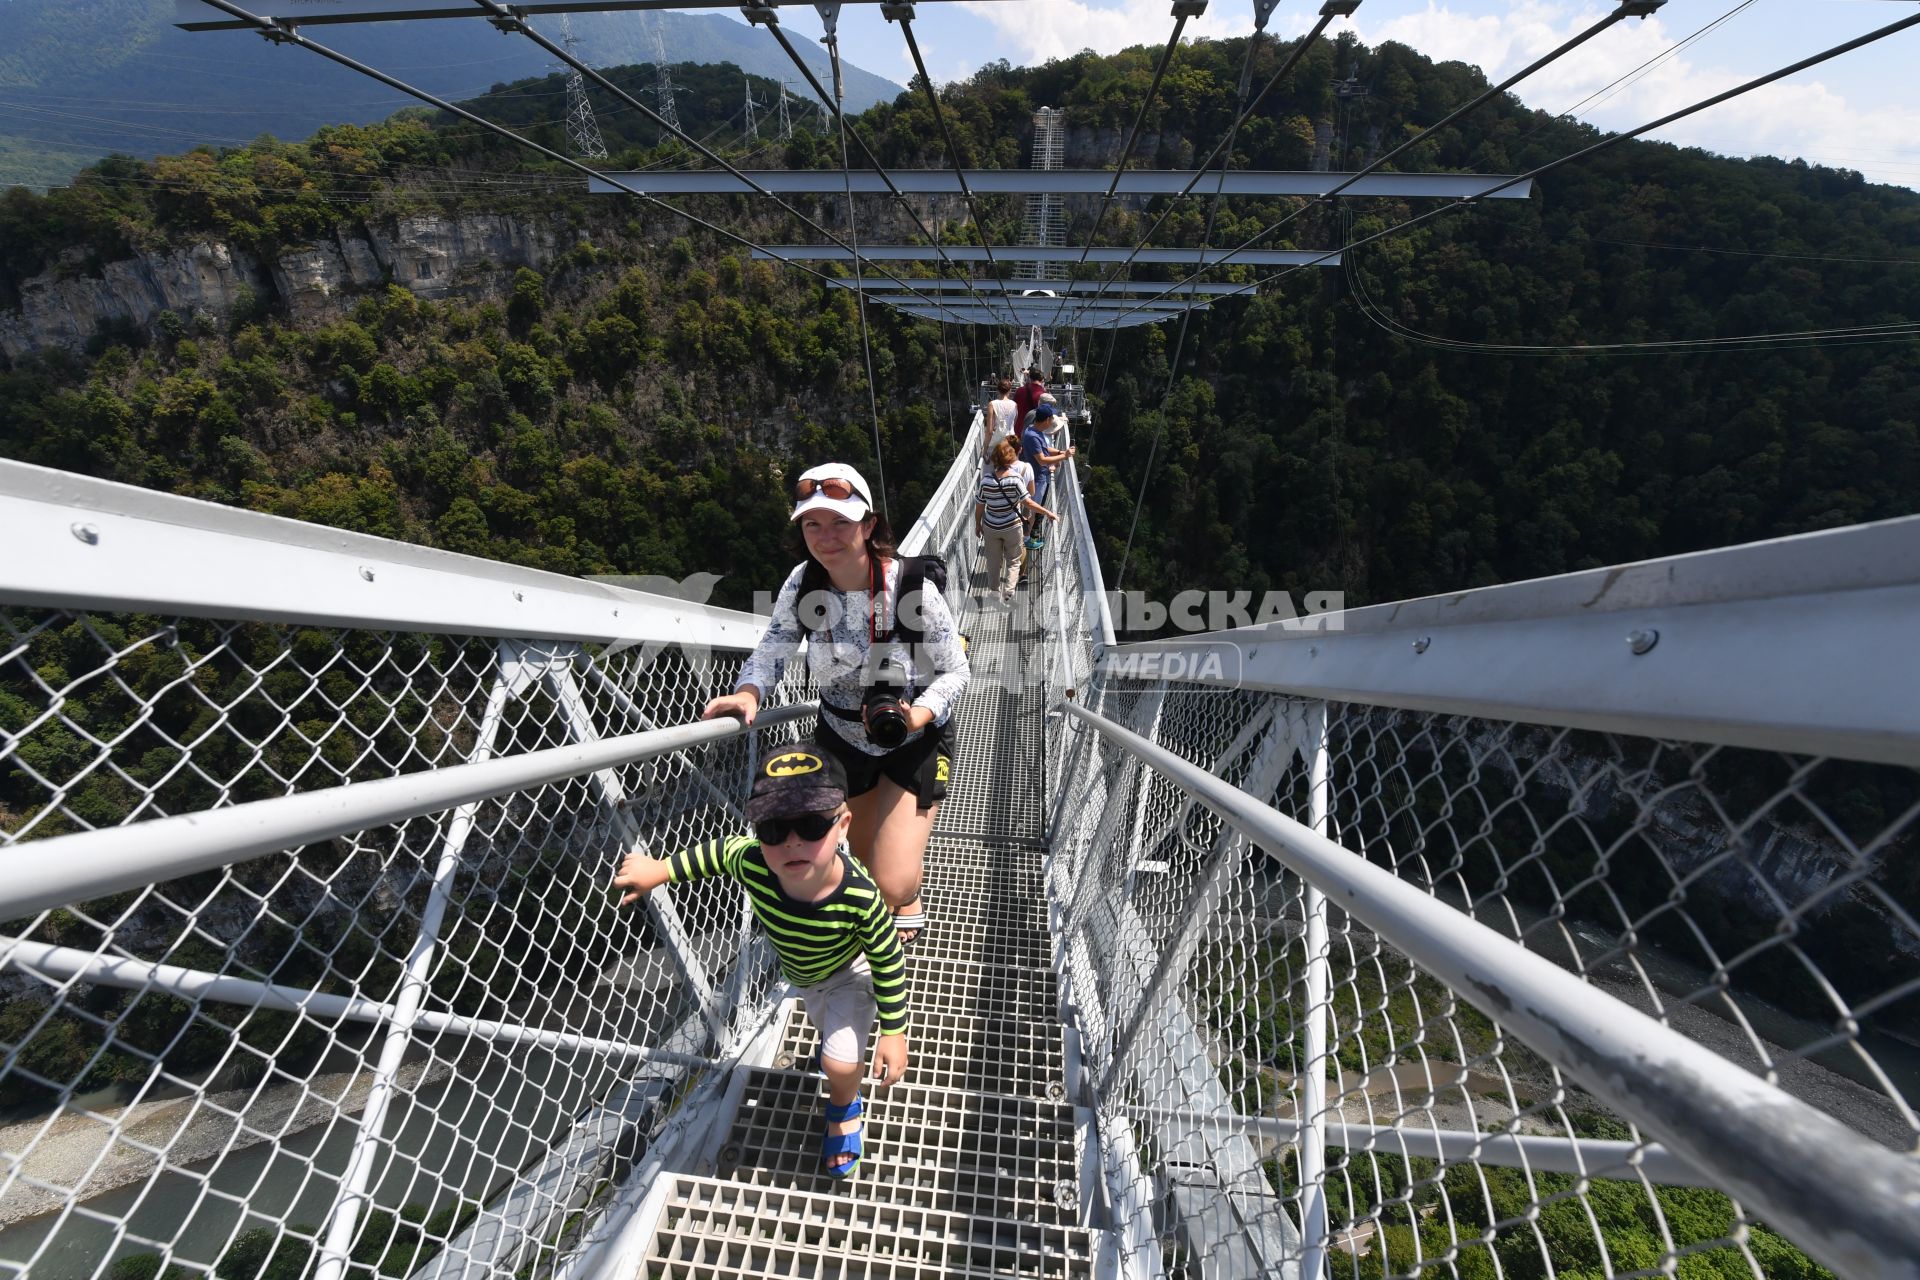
(972, 1167)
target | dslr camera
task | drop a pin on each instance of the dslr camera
(884, 705)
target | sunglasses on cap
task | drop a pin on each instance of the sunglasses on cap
(833, 486)
(808, 826)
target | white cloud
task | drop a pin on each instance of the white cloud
(1061, 28)
(1802, 117)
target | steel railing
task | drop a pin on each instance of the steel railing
(1566, 927)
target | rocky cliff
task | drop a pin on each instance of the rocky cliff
(473, 255)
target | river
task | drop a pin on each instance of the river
(452, 1145)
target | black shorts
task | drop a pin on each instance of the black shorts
(921, 767)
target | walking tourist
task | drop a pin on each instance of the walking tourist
(1043, 457)
(889, 668)
(1004, 495)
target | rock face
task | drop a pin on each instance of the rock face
(474, 255)
(62, 308)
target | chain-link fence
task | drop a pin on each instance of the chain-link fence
(420, 1040)
(311, 960)
(1292, 1089)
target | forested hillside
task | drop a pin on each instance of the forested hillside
(80, 79)
(1304, 444)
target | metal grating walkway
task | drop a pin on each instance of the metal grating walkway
(972, 1167)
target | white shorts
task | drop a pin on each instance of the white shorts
(842, 1010)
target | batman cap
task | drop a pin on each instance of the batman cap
(795, 779)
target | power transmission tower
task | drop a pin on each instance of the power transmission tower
(786, 120)
(583, 131)
(663, 81)
(753, 121)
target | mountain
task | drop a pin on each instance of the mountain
(80, 79)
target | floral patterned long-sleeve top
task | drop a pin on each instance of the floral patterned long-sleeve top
(837, 656)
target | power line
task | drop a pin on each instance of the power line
(583, 131)
(284, 33)
(769, 18)
(508, 20)
(1843, 336)
(1328, 12)
(1755, 253)
(1624, 9)
(1640, 72)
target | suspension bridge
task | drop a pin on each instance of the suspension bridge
(1365, 944)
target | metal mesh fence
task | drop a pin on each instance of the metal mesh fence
(432, 1045)
(1761, 905)
(439, 1037)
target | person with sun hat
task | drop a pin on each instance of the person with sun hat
(870, 626)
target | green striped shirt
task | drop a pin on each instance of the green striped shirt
(814, 940)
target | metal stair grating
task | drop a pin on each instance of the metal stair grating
(715, 1230)
(980, 1154)
(954, 937)
(991, 991)
(995, 792)
(956, 1051)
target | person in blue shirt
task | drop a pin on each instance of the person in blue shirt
(1042, 456)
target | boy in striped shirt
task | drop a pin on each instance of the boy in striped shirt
(833, 932)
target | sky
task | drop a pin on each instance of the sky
(1860, 111)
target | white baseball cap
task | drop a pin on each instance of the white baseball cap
(856, 505)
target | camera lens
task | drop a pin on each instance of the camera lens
(887, 725)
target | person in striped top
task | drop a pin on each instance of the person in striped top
(1002, 500)
(833, 932)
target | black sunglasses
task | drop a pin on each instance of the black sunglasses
(808, 826)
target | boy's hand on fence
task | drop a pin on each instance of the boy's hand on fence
(890, 1060)
(639, 875)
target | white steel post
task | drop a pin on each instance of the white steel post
(1313, 1082)
(344, 1218)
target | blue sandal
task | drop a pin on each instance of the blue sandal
(839, 1144)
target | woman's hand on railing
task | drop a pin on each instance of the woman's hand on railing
(745, 705)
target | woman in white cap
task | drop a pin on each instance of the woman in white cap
(888, 677)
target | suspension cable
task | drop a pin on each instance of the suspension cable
(1182, 10)
(1328, 12)
(507, 19)
(279, 32)
(1870, 37)
(1603, 144)
(859, 284)
(1624, 9)
(829, 14)
(903, 14)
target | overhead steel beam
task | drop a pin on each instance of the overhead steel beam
(1069, 182)
(1052, 253)
(1045, 306)
(191, 15)
(1091, 317)
(1016, 288)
